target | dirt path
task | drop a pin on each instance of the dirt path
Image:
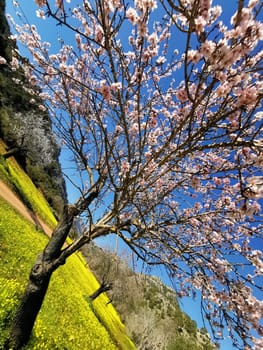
(13, 200)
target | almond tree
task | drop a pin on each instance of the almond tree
(160, 108)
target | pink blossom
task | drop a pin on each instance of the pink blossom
(125, 167)
(105, 90)
(125, 216)
(99, 35)
(194, 222)
(182, 95)
(40, 3)
(160, 60)
(251, 208)
(78, 40)
(194, 56)
(204, 5)
(195, 182)
(59, 4)
(258, 343)
(142, 28)
(153, 39)
(247, 96)
(217, 181)
(159, 184)
(134, 128)
(145, 5)
(148, 156)
(62, 67)
(174, 204)
(200, 24)
(256, 186)
(221, 76)
(112, 4)
(132, 15)
(40, 14)
(253, 3)
(115, 86)
(53, 58)
(118, 128)
(153, 122)
(226, 181)
(152, 139)
(42, 108)
(2, 60)
(207, 48)
(223, 90)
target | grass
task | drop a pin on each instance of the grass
(67, 320)
(11, 172)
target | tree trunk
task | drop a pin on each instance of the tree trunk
(29, 306)
(103, 288)
(37, 286)
(11, 152)
(48, 261)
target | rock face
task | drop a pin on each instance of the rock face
(25, 128)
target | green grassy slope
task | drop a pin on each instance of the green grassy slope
(67, 319)
(13, 175)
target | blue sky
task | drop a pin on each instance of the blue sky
(51, 33)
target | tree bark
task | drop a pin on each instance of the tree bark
(37, 286)
(11, 153)
(48, 261)
(30, 305)
(103, 288)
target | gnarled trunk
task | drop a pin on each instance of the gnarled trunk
(105, 287)
(12, 152)
(29, 306)
(37, 286)
(48, 261)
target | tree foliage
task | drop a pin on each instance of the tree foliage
(160, 108)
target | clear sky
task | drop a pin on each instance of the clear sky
(51, 33)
